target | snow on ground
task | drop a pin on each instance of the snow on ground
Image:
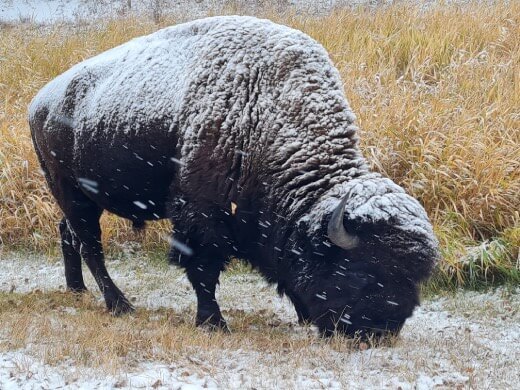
(41, 11)
(45, 11)
(49, 11)
(19, 370)
(469, 340)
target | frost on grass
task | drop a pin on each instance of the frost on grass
(94, 11)
(466, 340)
(18, 370)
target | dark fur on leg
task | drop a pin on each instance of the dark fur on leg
(72, 260)
(203, 270)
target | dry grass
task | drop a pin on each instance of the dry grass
(60, 327)
(437, 94)
(160, 334)
(471, 337)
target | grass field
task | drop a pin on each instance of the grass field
(437, 93)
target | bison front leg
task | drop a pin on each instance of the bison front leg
(301, 311)
(203, 271)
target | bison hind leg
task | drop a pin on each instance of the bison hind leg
(82, 222)
(71, 259)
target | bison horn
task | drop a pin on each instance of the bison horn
(336, 231)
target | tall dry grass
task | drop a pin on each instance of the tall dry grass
(437, 93)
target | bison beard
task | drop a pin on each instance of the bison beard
(237, 129)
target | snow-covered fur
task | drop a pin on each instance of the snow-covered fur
(238, 130)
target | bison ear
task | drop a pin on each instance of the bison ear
(337, 233)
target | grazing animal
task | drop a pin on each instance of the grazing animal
(238, 130)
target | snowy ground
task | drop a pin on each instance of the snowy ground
(47, 11)
(470, 340)
(44, 11)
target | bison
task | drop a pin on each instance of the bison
(238, 130)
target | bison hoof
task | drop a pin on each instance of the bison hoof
(213, 324)
(77, 290)
(120, 306)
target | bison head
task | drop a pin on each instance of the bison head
(366, 253)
